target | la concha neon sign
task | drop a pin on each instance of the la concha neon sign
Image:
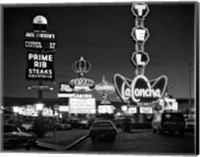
(140, 90)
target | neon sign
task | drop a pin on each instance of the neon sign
(65, 88)
(82, 84)
(140, 90)
(140, 58)
(140, 10)
(40, 66)
(140, 34)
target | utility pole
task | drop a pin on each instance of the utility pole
(40, 92)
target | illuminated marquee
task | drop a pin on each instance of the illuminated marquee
(106, 109)
(82, 105)
(82, 84)
(140, 90)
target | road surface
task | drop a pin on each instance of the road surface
(142, 143)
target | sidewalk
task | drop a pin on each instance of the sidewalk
(59, 140)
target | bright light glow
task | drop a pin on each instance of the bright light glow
(146, 110)
(118, 114)
(140, 9)
(82, 105)
(132, 110)
(171, 104)
(47, 112)
(106, 109)
(65, 95)
(16, 109)
(40, 20)
(39, 106)
(140, 34)
(65, 88)
(124, 108)
(56, 113)
(63, 108)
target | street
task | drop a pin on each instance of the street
(142, 142)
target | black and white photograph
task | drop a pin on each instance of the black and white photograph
(100, 78)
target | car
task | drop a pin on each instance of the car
(13, 137)
(63, 126)
(120, 122)
(74, 122)
(189, 124)
(27, 126)
(168, 122)
(103, 129)
(190, 120)
(83, 123)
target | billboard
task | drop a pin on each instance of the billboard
(106, 109)
(146, 110)
(82, 105)
(63, 108)
(40, 66)
(40, 41)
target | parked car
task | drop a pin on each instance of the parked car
(74, 122)
(63, 126)
(189, 124)
(120, 122)
(83, 124)
(15, 138)
(168, 122)
(27, 126)
(103, 129)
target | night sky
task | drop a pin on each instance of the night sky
(101, 34)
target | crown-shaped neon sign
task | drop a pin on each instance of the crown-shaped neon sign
(81, 66)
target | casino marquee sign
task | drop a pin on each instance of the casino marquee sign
(140, 90)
